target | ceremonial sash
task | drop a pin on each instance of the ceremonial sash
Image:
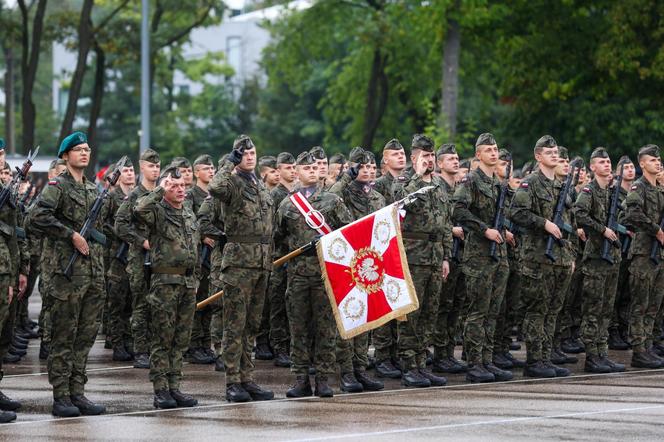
(313, 217)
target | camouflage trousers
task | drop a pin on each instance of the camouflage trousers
(647, 289)
(200, 330)
(446, 326)
(620, 317)
(45, 312)
(509, 309)
(568, 324)
(171, 314)
(543, 290)
(217, 320)
(415, 333)
(22, 315)
(600, 280)
(7, 317)
(384, 339)
(353, 354)
(279, 327)
(119, 304)
(263, 336)
(486, 280)
(140, 317)
(244, 294)
(312, 327)
(75, 316)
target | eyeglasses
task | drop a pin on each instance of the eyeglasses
(81, 149)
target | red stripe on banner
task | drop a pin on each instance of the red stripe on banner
(378, 306)
(359, 234)
(339, 276)
(392, 260)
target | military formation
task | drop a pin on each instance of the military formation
(564, 254)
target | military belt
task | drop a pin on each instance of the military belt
(423, 236)
(173, 271)
(249, 239)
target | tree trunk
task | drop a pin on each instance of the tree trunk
(29, 63)
(95, 105)
(377, 91)
(451, 50)
(9, 101)
(85, 37)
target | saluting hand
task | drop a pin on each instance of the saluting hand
(80, 244)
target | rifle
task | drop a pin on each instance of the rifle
(88, 230)
(656, 246)
(611, 221)
(22, 175)
(121, 254)
(25, 197)
(499, 216)
(147, 268)
(560, 207)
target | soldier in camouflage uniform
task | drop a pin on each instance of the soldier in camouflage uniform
(643, 214)
(267, 170)
(174, 242)
(452, 294)
(200, 347)
(385, 337)
(187, 172)
(246, 265)
(77, 303)
(485, 276)
(600, 278)
(321, 161)
(354, 188)
(427, 235)
(129, 230)
(337, 167)
(311, 319)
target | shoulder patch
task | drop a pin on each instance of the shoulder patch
(401, 178)
(524, 185)
(53, 183)
(634, 187)
(464, 179)
(586, 189)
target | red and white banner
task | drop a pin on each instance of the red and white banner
(366, 273)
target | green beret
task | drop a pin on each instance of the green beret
(181, 162)
(305, 158)
(504, 155)
(338, 158)
(599, 152)
(2, 144)
(650, 150)
(285, 158)
(563, 153)
(203, 160)
(171, 170)
(423, 142)
(151, 156)
(243, 142)
(318, 153)
(546, 141)
(486, 139)
(71, 141)
(393, 144)
(267, 161)
(446, 149)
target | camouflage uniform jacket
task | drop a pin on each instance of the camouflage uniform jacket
(211, 225)
(9, 244)
(359, 198)
(127, 227)
(196, 195)
(644, 207)
(114, 201)
(427, 227)
(385, 186)
(278, 194)
(474, 209)
(248, 218)
(174, 237)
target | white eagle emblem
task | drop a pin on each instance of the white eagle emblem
(368, 270)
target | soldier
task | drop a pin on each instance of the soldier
(60, 214)
(600, 278)
(312, 320)
(385, 337)
(321, 162)
(452, 294)
(267, 169)
(186, 171)
(247, 262)
(174, 241)
(427, 234)
(129, 230)
(336, 168)
(354, 188)
(644, 211)
(485, 275)
(200, 347)
(119, 294)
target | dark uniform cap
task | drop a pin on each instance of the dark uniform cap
(625, 159)
(423, 142)
(151, 156)
(649, 149)
(243, 141)
(285, 158)
(318, 153)
(599, 152)
(267, 161)
(2, 144)
(7, 166)
(579, 161)
(546, 141)
(55, 163)
(338, 158)
(486, 139)
(464, 164)
(504, 155)
(171, 170)
(181, 162)
(446, 149)
(203, 160)
(393, 144)
(356, 155)
(71, 141)
(563, 153)
(305, 158)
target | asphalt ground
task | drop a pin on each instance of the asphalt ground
(621, 406)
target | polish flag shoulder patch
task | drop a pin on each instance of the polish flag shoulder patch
(524, 185)
(586, 189)
(53, 183)
(634, 187)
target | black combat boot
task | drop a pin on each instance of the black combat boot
(19, 344)
(556, 357)
(219, 364)
(436, 381)
(301, 387)
(322, 387)
(515, 346)
(62, 407)
(120, 354)
(235, 393)
(615, 367)
(500, 361)
(571, 345)
(655, 356)
(595, 365)
(658, 348)
(11, 359)
(141, 360)
(8, 404)
(282, 360)
(257, 393)
(182, 399)
(349, 384)
(386, 369)
(478, 373)
(413, 378)
(616, 341)
(537, 369)
(107, 343)
(163, 399)
(499, 375)
(368, 383)
(567, 359)
(43, 350)
(642, 359)
(263, 352)
(86, 406)
(448, 365)
(561, 372)
(516, 363)
(7, 416)
(15, 351)
(198, 356)
(21, 340)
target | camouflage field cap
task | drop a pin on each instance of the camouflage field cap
(446, 149)
(421, 141)
(318, 152)
(305, 158)
(599, 152)
(485, 139)
(243, 142)
(285, 158)
(563, 153)
(546, 141)
(393, 144)
(267, 161)
(181, 162)
(650, 150)
(203, 160)
(151, 156)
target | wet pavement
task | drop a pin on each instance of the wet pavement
(622, 406)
